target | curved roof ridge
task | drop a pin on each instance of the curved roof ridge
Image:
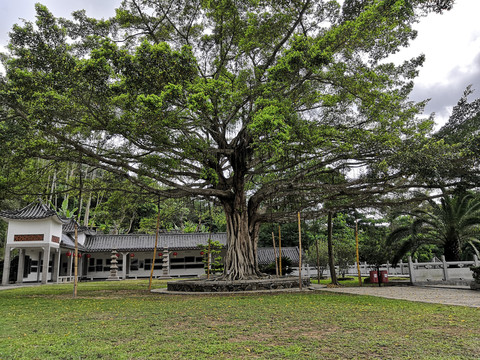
(33, 211)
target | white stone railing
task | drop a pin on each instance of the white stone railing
(441, 271)
(401, 269)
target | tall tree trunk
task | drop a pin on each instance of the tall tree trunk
(86, 218)
(53, 188)
(87, 210)
(452, 249)
(69, 175)
(331, 258)
(242, 235)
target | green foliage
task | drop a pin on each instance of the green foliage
(311, 254)
(212, 256)
(452, 224)
(476, 273)
(65, 212)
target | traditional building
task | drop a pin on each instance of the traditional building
(36, 231)
(46, 250)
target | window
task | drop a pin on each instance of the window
(134, 264)
(194, 266)
(99, 265)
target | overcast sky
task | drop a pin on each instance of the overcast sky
(450, 42)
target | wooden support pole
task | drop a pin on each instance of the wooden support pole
(299, 252)
(280, 250)
(358, 256)
(208, 258)
(318, 261)
(275, 254)
(75, 273)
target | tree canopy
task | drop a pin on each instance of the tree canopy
(269, 107)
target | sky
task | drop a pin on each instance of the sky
(450, 42)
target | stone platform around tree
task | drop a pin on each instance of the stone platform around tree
(229, 286)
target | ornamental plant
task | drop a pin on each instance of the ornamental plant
(212, 256)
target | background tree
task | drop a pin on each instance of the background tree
(311, 254)
(452, 224)
(253, 104)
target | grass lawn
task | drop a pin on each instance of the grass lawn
(122, 320)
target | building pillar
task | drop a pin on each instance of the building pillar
(46, 260)
(411, 270)
(124, 265)
(6, 266)
(80, 266)
(56, 265)
(70, 265)
(445, 268)
(40, 257)
(21, 265)
(127, 266)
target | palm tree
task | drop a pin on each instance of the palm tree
(452, 224)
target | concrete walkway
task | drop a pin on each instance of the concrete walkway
(461, 296)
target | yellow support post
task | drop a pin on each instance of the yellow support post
(358, 256)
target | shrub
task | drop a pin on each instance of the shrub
(476, 273)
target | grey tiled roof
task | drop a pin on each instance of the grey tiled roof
(266, 255)
(69, 243)
(138, 242)
(35, 210)
(69, 227)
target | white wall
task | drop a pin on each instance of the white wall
(47, 227)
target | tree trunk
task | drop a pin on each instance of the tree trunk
(452, 249)
(86, 217)
(242, 234)
(331, 258)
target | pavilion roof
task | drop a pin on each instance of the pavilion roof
(34, 211)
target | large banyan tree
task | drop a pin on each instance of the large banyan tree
(266, 106)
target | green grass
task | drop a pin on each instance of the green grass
(122, 320)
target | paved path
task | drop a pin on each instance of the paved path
(461, 296)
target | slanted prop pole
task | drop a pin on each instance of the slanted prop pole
(275, 254)
(75, 273)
